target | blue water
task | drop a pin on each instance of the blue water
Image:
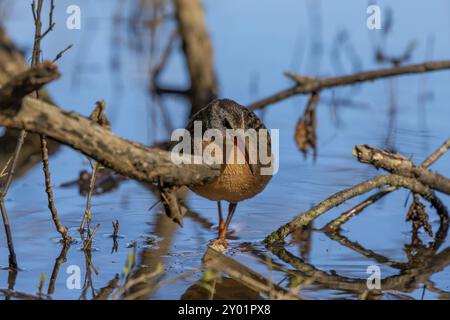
(254, 42)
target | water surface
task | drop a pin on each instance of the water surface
(254, 42)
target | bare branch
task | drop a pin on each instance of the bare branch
(437, 154)
(335, 225)
(51, 201)
(349, 193)
(397, 164)
(125, 157)
(308, 85)
(27, 82)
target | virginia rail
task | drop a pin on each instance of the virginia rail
(236, 181)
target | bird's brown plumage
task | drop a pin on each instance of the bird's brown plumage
(236, 182)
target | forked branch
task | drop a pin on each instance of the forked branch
(404, 174)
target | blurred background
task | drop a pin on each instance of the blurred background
(130, 54)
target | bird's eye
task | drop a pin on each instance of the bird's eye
(226, 124)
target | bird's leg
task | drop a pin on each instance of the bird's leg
(223, 226)
(223, 231)
(221, 222)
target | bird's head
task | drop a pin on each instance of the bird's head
(225, 114)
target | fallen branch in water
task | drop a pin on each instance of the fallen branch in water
(307, 85)
(406, 180)
(128, 158)
(422, 263)
(398, 164)
(335, 225)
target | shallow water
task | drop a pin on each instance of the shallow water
(254, 42)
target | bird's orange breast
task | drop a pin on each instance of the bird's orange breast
(235, 183)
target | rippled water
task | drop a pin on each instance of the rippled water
(254, 42)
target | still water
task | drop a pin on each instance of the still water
(254, 42)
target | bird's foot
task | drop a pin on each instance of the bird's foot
(219, 243)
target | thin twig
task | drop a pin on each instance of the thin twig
(44, 150)
(87, 213)
(38, 36)
(60, 54)
(335, 225)
(115, 236)
(437, 154)
(37, 31)
(51, 24)
(88, 242)
(3, 172)
(58, 262)
(12, 255)
(11, 171)
(48, 189)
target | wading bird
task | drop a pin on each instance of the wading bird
(237, 181)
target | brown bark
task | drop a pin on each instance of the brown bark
(398, 164)
(340, 197)
(335, 225)
(27, 82)
(125, 157)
